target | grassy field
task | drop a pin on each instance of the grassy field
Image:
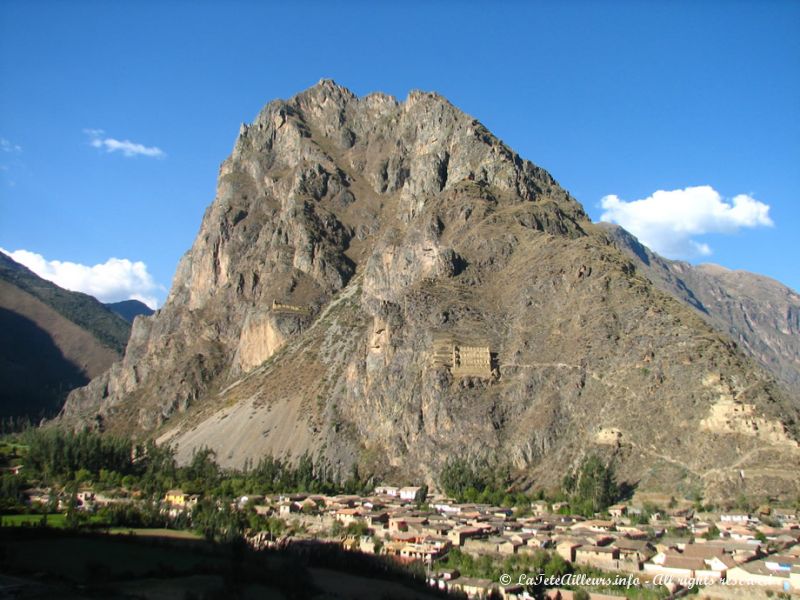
(53, 520)
(58, 520)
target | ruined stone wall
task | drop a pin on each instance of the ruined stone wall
(289, 308)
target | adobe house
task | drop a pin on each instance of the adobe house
(603, 557)
(617, 511)
(409, 493)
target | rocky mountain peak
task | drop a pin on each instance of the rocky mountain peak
(386, 283)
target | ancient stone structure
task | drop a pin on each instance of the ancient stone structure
(443, 351)
(608, 436)
(279, 307)
(472, 361)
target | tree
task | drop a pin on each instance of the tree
(421, 495)
(467, 480)
(593, 487)
(275, 527)
(357, 528)
(74, 518)
(336, 529)
(202, 473)
(10, 487)
(556, 566)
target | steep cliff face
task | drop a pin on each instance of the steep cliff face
(362, 253)
(760, 314)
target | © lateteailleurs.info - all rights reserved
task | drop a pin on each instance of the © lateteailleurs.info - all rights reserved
(629, 581)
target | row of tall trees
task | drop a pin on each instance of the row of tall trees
(88, 456)
(591, 488)
(57, 457)
(57, 453)
(478, 481)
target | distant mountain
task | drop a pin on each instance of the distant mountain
(82, 309)
(51, 341)
(762, 315)
(130, 309)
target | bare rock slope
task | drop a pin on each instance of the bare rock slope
(387, 283)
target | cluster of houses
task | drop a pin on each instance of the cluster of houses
(675, 547)
(86, 500)
(670, 549)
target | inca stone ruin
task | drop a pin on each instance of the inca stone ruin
(471, 361)
(279, 307)
(463, 360)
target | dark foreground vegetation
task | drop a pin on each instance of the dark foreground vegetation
(70, 564)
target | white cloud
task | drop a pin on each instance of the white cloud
(127, 147)
(668, 221)
(114, 280)
(7, 146)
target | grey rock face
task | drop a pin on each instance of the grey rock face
(388, 231)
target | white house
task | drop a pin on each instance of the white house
(387, 490)
(734, 518)
(409, 493)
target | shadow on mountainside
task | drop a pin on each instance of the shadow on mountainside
(35, 376)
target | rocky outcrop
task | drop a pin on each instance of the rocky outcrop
(397, 225)
(263, 334)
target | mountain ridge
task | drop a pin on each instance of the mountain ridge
(758, 312)
(129, 309)
(52, 341)
(82, 309)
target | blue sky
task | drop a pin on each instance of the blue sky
(115, 116)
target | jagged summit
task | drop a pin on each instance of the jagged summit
(386, 283)
(425, 128)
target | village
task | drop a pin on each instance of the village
(492, 544)
(675, 548)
